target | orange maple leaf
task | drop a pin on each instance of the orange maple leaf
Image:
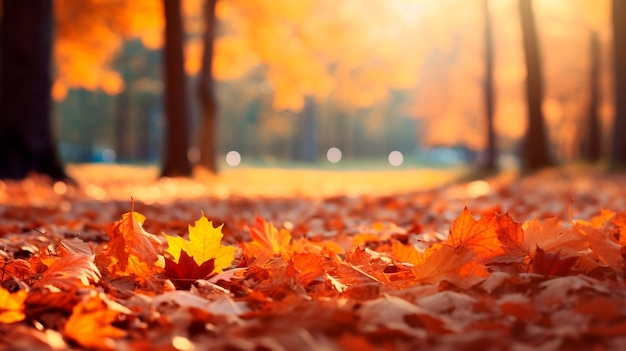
(604, 247)
(440, 262)
(404, 253)
(90, 322)
(550, 236)
(478, 236)
(12, 305)
(131, 250)
(70, 271)
(266, 238)
(204, 244)
(511, 235)
(309, 267)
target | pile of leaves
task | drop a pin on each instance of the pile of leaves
(487, 282)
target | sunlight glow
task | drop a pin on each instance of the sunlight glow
(478, 188)
(233, 158)
(396, 158)
(95, 192)
(333, 155)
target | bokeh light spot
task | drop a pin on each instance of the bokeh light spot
(266, 87)
(193, 154)
(333, 155)
(59, 188)
(108, 155)
(396, 158)
(233, 158)
(182, 343)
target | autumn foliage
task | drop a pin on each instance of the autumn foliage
(369, 289)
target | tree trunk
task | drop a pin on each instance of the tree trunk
(206, 92)
(535, 151)
(123, 141)
(26, 141)
(491, 152)
(592, 148)
(305, 136)
(175, 161)
(618, 147)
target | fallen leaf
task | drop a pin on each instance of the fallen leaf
(552, 263)
(69, 271)
(552, 237)
(478, 236)
(12, 305)
(266, 237)
(131, 250)
(440, 262)
(186, 271)
(511, 235)
(90, 324)
(602, 247)
(204, 244)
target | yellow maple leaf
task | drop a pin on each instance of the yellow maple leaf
(204, 244)
(90, 323)
(12, 305)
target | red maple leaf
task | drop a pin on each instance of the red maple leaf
(187, 270)
(552, 263)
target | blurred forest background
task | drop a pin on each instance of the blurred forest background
(354, 82)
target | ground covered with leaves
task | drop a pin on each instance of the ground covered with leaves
(535, 262)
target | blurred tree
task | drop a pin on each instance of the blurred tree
(591, 150)
(88, 35)
(315, 50)
(535, 154)
(206, 91)
(618, 146)
(26, 138)
(175, 160)
(491, 153)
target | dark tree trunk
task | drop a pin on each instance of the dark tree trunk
(618, 146)
(175, 161)
(305, 137)
(491, 152)
(535, 150)
(123, 141)
(26, 141)
(592, 146)
(206, 92)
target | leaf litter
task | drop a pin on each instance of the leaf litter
(533, 263)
